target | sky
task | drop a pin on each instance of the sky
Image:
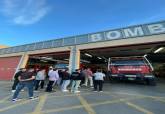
(28, 21)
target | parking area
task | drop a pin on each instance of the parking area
(117, 98)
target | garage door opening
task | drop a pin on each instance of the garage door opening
(99, 57)
(59, 60)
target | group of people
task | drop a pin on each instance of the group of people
(33, 79)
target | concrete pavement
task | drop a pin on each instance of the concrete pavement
(117, 98)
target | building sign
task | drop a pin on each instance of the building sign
(136, 31)
(156, 28)
(129, 32)
(110, 35)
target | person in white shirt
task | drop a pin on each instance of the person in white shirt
(40, 78)
(50, 70)
(98, 80)
(53, 77)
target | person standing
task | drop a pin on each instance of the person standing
(59, 81)
(53, 77)
(50, 70)
(40, 78)
(98, 80)
(76, 79)
(83, 74)
(88, 76)
(16, 80)
(26, 80)
(65, 80)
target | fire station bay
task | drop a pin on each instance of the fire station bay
(93, 50)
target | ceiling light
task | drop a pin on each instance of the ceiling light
(88, 55)
(48, 58)
(99, 57)
(159, 49)
(84, 61)
(43, 61)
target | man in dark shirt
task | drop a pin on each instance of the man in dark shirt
(65, 80)
(16, 81)
(76, 79)
(26, 80)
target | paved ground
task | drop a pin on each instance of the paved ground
(117, 98)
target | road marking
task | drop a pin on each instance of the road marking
(63, 109)
(138, 108)
(70, 95)
(153, 97)
(93, 104)
(86, 105)
(15, 105)
(160, 99)
(111, 94)
(4, 99)
(80, 106)
(115, 101)
(77, 106)
(40, 105)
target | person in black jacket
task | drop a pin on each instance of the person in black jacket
(65, 80)
(76, 79)
(16, 81)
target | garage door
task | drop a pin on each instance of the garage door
(8, 66)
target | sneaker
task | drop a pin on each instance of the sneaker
(100, 91)
(77, 92)
(13, 91)
(22, 90)
(65, 90)
(84, 85)
(92, 87)
(33, 98)
(16, 99)
(94, 91)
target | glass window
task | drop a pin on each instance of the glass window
(48, 44)
(4, 51)
(22, 48)
(14, 49)
(69, 41)
(7, 50)
(39, 45)
(82, 39)
(128, 62)
(31, 46)
(0, 51)
(57, 43)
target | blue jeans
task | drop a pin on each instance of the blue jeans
(65, 84)
(21, 85)
(75, 85)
